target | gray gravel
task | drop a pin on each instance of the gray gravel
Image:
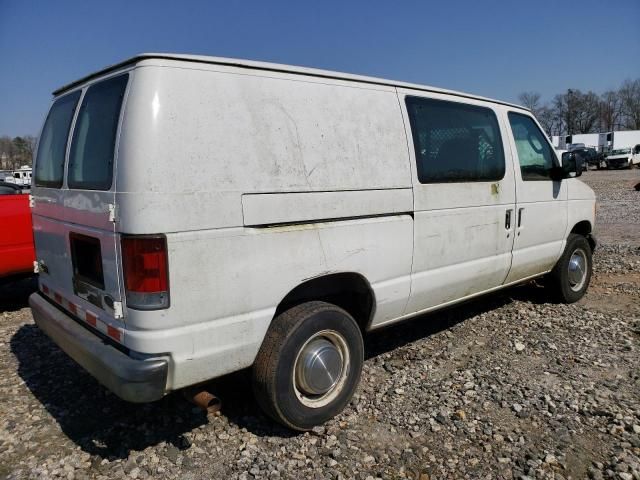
(618, 215)
(508, 386)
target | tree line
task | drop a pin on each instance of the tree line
(17, 151)
(575, 112)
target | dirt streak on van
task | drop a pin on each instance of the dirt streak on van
(323, 205)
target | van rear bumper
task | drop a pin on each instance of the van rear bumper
(131, 379)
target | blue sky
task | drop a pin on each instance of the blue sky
(496, 48)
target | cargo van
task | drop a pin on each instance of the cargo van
(323, 206)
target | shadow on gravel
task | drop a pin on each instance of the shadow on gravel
(103, 425)
(96, 420)
(387, 339)
(14, 294)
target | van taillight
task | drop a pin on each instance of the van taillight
(146, 271)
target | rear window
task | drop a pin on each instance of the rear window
(94, 135)
(53, 142)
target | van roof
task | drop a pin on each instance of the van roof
(273, 67)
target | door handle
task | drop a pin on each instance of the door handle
(507, 220)
(520, 217)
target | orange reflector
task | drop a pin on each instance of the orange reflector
(113, 332)
(91, 319)
(57, 297)
(73, 309)
(45, 289)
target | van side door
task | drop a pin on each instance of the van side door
(541, 218)
(464, 198)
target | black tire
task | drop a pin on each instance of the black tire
(275, 382)
(563, 285)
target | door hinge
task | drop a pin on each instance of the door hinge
(112, 212)
(117, 310)
(32, 201)
(40, 267)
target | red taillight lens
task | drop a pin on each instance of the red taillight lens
(146, 272)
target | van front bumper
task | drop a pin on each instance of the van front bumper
(134, 380)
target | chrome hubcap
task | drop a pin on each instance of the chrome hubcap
(577, 269)
(318, 367)
(321, 368)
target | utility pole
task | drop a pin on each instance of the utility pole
(569, 123)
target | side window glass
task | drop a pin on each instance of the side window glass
(534, 153)
(455, 142)
(52, 146)
(94, 135)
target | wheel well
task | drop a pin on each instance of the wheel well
(350, 291)
(584, 228)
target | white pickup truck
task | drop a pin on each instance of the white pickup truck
(624, 157)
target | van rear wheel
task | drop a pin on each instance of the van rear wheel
(570, 277)
(309, 365)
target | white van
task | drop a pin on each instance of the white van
(325, 205)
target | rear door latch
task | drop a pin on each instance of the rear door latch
(117, 310)
(112, 212)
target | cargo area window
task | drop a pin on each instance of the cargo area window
(534, 152)
(94, 135)
(52, 147)
(455, 142)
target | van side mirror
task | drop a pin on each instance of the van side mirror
(572, 165)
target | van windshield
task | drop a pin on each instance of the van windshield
(53, 142)
(94, 135)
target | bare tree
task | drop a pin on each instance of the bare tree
(31, 142)
(586, 110)
(560, 111)
(575, 112)
(6, 152)
(610, 111)
(630, 102)
(578, 111)
(530, 100)
(551, 122)
(16, 152)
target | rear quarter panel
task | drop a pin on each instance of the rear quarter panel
(201, 149)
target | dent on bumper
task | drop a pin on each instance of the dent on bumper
(131, 379)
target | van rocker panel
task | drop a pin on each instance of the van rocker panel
(131, 379)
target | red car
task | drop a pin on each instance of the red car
(16, 236)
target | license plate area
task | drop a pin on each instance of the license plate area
(86, 255)
(88, 274)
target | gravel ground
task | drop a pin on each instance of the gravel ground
(618, 217)
(508, 386)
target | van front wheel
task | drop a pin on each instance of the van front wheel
(570, 277)
(309, 365)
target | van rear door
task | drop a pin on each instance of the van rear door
(74, 200)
